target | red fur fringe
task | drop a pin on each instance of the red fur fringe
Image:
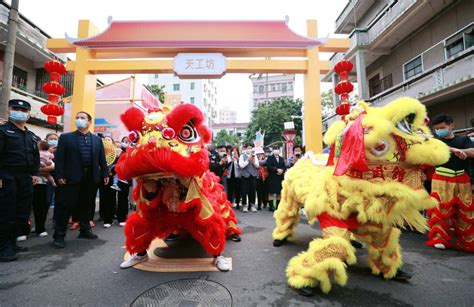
(132, 118)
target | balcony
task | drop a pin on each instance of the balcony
(36, 104)
(453, 78)
(31, 41)
(353, 11)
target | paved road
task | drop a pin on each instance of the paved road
(87, 273)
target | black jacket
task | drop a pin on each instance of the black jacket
(69, 160)
(19, 149)
(274, 180)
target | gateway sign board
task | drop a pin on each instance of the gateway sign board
(200, 65)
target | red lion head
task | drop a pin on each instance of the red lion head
(170, 143)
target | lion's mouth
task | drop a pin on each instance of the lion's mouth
(173, 190)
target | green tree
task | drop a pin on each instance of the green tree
(269, 118)
(224, 138)
(327, 103)
(158, 91)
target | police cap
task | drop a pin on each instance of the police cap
(18, 103)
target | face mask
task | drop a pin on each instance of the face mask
(222, 154)
(472, 139)
(442, 132)
(276, 152)
(18, 116)
(53, 143)
(249, 151)
(298, 154)
(81, 123)
(124, 145)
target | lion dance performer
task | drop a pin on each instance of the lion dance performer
(451, 186)
(175, 193)
(371, 183)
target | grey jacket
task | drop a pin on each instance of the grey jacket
(248, 169)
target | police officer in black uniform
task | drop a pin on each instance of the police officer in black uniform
(19, 166)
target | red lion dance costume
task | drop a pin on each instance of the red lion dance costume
(175, 192)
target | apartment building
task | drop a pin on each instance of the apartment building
(421, 49)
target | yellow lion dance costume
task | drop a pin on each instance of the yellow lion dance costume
(371, 183)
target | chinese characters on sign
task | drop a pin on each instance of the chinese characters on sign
(199, 65)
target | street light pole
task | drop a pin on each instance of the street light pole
(9, 58)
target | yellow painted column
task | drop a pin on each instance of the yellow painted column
(83, 95)
(313, 125)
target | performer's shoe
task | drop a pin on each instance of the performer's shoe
(356, 244)
(221, 263)
(306, 291)
(172, 237)
(401, 276)
(133, 260)
(59, 243)
(235, 237)
(87, 235)
(271, 208)
(278, 243)
(439, 246)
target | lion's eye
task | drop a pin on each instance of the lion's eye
(188, 134)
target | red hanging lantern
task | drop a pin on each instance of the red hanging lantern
(344, 87)
(55, 67)
(54, 90)
(343, 68)
(52, 109)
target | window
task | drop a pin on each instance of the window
(375, 86)
(283, 87)
(192, 85)
(459, 42)
(192, 100)
(455, 47)
(277, 87)
(156, 76)
(261, 89)
(386, 82)
(175, 87)
(413, 68)
(19, 78)
(273, 87)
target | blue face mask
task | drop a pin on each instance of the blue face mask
(442, 132)
(81, 123)
(18, 116)
(53, 143)
(472, 139)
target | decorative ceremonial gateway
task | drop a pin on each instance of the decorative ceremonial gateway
(54, 90)
(176, 193)
(370, 185)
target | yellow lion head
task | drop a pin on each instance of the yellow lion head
(397, 132)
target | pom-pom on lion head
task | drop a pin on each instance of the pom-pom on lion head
(169, 143)
(395, 133)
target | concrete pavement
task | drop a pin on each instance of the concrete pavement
(87, 273)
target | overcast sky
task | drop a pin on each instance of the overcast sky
(235, 89)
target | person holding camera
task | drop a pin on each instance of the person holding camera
(248, 164)
(218, 161)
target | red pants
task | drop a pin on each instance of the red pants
(455, 212)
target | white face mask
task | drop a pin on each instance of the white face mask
(276, 152)
(249, 151)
